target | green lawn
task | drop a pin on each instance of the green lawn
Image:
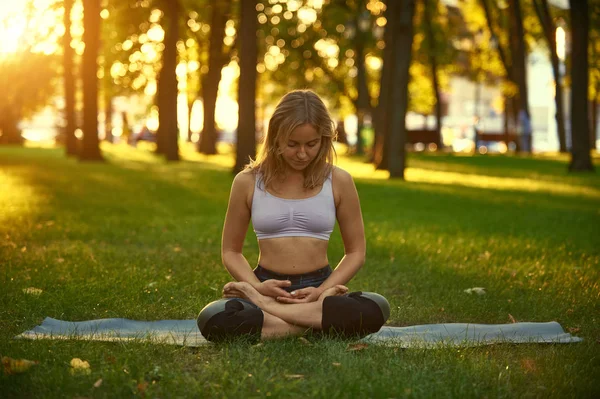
(136, 237)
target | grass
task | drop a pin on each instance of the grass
(93, 237)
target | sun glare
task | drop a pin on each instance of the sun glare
(29, 23)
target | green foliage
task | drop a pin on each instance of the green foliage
(28, 81)
(94, 237)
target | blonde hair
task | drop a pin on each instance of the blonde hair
(296, 108)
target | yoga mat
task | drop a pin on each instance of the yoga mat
(185, 332)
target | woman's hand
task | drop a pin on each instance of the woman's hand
(274, 288)
(304, 295)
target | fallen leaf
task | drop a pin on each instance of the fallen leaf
(24, 249)
(356, 347)
(574, 330)
(79, 366)
(512, 319)
(60, 260)
(304, 341)
(32, 291)
(141, 387)
(476, 290)
(98, 383)
(16, 366)
(294, 376)
(336, 364)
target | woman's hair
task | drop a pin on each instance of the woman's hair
(295, 109)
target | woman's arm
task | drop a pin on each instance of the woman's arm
(236, 224)
(237, 219)
(350, 220)
(349, 217)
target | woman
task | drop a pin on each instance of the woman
(293, 194)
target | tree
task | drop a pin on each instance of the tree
(382, 126)
(402, 39)
(210, 84)
(433, 63)
(167, 134)
(69, 83)
(27, 80)
(511, 50)
(594, 63)
(90, 149)
(543, 13)
(246, 142)
(580, 149)
(518, 52)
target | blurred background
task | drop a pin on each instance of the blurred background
(475, 76)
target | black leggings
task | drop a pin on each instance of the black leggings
(352, 315)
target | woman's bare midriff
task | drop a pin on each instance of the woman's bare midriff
(293, 255)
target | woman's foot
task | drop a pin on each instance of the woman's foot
(242, 289)
(337, 290)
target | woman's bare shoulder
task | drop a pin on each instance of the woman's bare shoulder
(341, 177)
(244, 180)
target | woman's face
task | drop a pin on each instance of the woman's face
(302, 147)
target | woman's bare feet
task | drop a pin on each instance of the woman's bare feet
(337, 290)
(244, 290)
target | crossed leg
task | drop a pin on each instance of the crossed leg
(283, 319)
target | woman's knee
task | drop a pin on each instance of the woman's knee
(226, 319)
(355, 314)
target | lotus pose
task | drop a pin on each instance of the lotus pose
(293, 194)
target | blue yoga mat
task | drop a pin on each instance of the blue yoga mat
(185, 332)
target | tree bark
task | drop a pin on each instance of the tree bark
(594, 127)
(210, 83)
(246, 133)
(580, 148)
(382, 132)
(108, 114)
(543, 13)
(9, 120)
(69, 83)
(167, 90)
(362, 100)
(519, 64)
(434, 68)
(403, 38)
(90, 149)
(506, 62)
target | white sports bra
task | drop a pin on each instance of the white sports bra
(274, 217)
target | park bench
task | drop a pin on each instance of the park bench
(496, 137)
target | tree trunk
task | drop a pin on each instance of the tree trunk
(382, 136)
(9, 128)
(580, 148)
(434, 75)
(190, 133)
(69, 84)
(90, 149)
(108, 114)
(167, 91)
(246, 133)
(519, 66)
(403, 38)
(362, 100)
(543, 13)
(594, 127)
(210, 83)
